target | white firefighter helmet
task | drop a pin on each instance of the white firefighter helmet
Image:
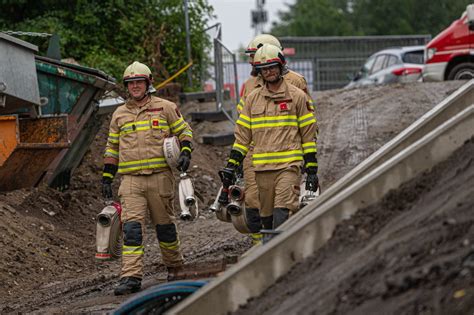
(261, 40)
(268, 55)
(172, 150)
(137, 71)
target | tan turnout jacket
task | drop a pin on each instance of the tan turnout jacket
(252, 83)
(137, 134)
(281, 125)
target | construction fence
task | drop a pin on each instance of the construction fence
(326, 62)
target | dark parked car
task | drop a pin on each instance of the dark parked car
(402, 64)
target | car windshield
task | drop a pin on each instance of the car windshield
(367, 66)
(415, 56)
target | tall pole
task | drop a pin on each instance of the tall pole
(188, 43)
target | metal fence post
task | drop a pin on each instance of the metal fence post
(218, 73)
(236, 78)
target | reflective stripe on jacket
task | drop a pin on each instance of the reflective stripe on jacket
(136, 135)
(280, 124)
(290, 76)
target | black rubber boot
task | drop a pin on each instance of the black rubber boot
(254, 222)
(175, 273)
(267, 223)
(280, 215)
(267, 231)
(128, 285)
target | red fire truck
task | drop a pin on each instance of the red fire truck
(450, 55)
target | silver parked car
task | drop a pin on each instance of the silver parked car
(403, 64)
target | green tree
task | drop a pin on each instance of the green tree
(312, 18)
(395, 17)
(367, 17)
(111, 34)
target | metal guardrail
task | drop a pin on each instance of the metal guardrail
(441, 134)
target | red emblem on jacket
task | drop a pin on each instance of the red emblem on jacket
(155, 123)
(283, 106)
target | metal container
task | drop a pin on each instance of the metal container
(27, 147)
(18, 80)
(73, 90)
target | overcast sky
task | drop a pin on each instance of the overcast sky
(234, 16)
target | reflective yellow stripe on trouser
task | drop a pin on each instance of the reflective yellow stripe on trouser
(256, 238)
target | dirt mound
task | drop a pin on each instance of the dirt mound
(354, 123)
(48, 237)
(411, 253)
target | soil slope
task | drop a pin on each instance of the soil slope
(411, 253)
(48, 237)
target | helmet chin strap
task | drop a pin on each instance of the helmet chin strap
(141, 98)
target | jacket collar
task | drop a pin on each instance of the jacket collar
(131, 103)
(282, 92)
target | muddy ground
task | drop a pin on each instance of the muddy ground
(411, 253)
(48, 237)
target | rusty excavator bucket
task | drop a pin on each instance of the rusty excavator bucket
(27, 147)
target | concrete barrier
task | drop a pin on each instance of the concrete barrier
(264, 265)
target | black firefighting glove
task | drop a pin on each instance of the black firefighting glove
(107, 177)
(311, 170)
(185, 157)
(312, 181)
(227, 176)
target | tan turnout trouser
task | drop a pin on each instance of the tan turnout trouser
(139, 195)
(278, 189)
(251, 190)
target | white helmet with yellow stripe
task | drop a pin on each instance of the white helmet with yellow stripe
(261, 40)
(268, 55)
(137, 71)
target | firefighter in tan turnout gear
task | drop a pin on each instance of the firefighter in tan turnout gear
(135, 150)
(255, 81)
(278, 119)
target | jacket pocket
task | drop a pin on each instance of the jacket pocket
(257, 110)
(165, 185)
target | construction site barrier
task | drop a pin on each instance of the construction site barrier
(264, 265)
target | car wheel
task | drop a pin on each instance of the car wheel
(463, 71)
